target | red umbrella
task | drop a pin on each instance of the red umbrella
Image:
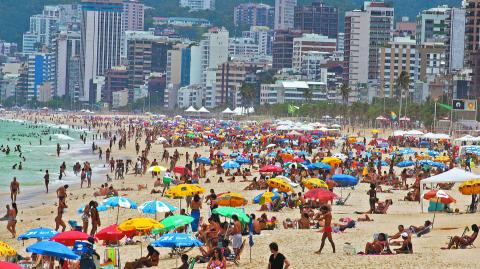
(7, 265)
(439, 196)
(181, 170)
(298, 160)
(271, 169)
(69, 238)
(110, 233)
(320, 194)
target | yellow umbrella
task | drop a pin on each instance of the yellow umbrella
(139, 224)
(313, 183)
(232, 199)
(375, 131)
(442, 159)
(6, 249)
(184, 190)
(156, 169)
(332, 160)
(281, 184)
(470, 187)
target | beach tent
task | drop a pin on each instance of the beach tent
(191, 109)
(413, 133)
(203, 110)
(398, 133)
(228, 111)
(451, 176)
(466, 138)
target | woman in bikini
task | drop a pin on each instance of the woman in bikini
(12, 219)
(58, 219)
(217, 261)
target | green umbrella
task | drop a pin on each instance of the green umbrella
(190, 135)
(228, 212)
(173, 222)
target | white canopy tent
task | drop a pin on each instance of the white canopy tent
(413, 133)
(191, 109)
(455, 175)
(466, 138)
(228, 111)
(203, 110)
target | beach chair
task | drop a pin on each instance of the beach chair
(342, 201)
(112, 254)
(191, 263)
(470, 245)
(424, 231)
(74, 225)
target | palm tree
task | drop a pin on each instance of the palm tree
(307, 94)
(345, 91)
(403, 82)
(247, 91)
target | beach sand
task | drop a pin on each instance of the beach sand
(297, 245)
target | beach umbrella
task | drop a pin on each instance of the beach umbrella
(383, 163)
(231, 199)
(173, 222)
(155, 206)
(470, 187)
(6, 250)
(271, 169)
(433, 153)
(110, 233)
(271, 146)
(68, 238)
(313, 183)
(101, 207)
(52, 249)
(322, 165)
(343, 180)
(405, 164)
(442, 159)
(230, 165)
(407, 151)
(38, 233)
(118, 202)
(139, 224)
(177, 240)
(266, 197)
(438, 196)
(184, 190)
(204, 160)
(156, 169)
(332, 160)
(182, 170)
(320, 195)
(228, 212)
(281, 184)
(242, 160)
(8, 265)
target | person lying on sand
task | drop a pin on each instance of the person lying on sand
(421, 230)
(378, 246)
(463, 241)
(382, 207)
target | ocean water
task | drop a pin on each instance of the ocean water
(41, 157)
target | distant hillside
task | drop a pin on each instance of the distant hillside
(14, 14)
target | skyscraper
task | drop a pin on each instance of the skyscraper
(68, 61)
(101, 41)
(133, 15)
(250, 14)
(284, 14)
(195, 5)
(317, 18)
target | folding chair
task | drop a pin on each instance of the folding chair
(112, 254)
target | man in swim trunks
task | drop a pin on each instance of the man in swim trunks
(326, 216)
(14, 189)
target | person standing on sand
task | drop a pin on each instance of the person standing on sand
(327, 228)
(58, 219)
(277, 260)
(62, 193)
(86, 217)
(46, 177)
(95, 218)
(14, 189)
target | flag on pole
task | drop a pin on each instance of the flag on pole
(393, 115)
(292, 109)
(447, 107)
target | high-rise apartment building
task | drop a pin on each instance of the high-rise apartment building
(263, 36)
(284, 14)
(67, 56)
(472, 29)
(310, 43)
(317, 18)
(366, 30)
(251, 14)
(396, 57)
(133, 15)
(229, 78)
(101, 41)
(195, 5)
(41, 76)
(282, 48)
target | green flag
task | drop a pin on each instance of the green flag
(292, 109)
(445, 106)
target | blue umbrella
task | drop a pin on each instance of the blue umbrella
(177, 240)
(407, 151)
(38, 233)
(100, 207)
(234, 154)
(53, 249)
(303, 153)
(118, 201)
(343, 180)
(257, 198)
(405, 164)
(321, 165)
(242, 160)
(384, 163)
(433, 153)
(230, 165)
(204, 160)
(438, 165)
(154, 207)
(272, 154)
(424, 143)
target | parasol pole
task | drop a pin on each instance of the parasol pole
(118, 212)
(435, 212)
